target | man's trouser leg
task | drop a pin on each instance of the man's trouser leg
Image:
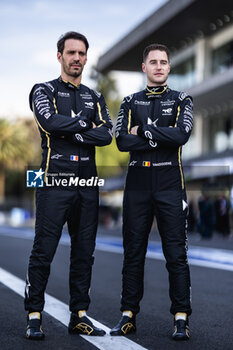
(171, 213)
(137, 222)
(82, 225)
(51, 210)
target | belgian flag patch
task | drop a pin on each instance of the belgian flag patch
(146, 163)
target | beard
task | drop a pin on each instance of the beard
(68, 70)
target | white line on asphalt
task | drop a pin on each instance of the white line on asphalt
(199, 256)
(60, 311)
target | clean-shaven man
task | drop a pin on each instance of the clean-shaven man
(72, 120)
(153, 125)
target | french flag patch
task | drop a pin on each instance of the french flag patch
(74, 158)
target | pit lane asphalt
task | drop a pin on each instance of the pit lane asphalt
(212, 290)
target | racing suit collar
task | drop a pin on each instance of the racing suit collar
(69, 83)
(155, 91)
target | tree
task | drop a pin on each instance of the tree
(109, 159)
(15, 148)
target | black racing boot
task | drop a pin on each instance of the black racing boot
(80, 324)
(126, 325)
(181, 328)
(34, 327)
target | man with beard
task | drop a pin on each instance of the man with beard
(152, 125)
(72, 120)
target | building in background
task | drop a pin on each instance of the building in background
(200, 37)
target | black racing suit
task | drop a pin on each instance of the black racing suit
(155, 187)
(65, 114)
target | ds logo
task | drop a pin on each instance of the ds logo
(35, 178)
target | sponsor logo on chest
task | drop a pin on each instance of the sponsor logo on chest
(142, 103)
(89, 105)
(86, 96)
(63, 94)
(167, 111)
(167, 103)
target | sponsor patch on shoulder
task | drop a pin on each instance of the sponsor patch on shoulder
(182, 96)
(50, 86)
(128, 98)
(98, 94)
(37, 91)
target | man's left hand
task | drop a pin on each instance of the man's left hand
(134, 130)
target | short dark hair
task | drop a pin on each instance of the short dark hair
(153, 47)
(70, 35)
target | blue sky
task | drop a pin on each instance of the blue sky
(29, 32)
